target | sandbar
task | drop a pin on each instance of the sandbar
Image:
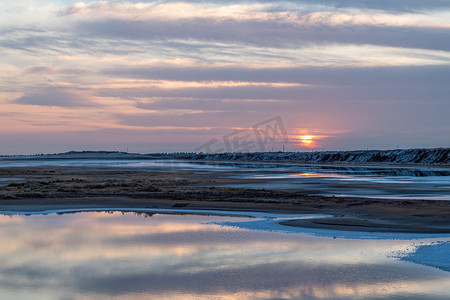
(47, 188)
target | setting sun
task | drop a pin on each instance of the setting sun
(306, 140)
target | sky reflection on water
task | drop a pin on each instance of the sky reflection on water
(99, 255)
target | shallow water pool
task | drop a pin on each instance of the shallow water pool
(142, 255)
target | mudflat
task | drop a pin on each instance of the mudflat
(45, 188)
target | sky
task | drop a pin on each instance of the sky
(169, 76)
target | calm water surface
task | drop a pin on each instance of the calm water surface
(99, 255)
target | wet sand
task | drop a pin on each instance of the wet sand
(45, 188)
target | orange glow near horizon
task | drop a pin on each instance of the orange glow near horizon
(306, 140)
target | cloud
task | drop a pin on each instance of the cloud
(206, 120)
(263, 24)
(271, 35)
(55, 96)
(267, 33)
(53, 70)
(394, 6)
(40, 70)
(275, 12)
(391, 5)
(380, 107)
(207, 105)
(405, 76)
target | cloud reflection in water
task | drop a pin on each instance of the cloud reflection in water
(113, 255)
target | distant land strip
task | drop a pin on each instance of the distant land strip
(434, 156)
(439, 156)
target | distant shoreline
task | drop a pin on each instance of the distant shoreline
(431, 156)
